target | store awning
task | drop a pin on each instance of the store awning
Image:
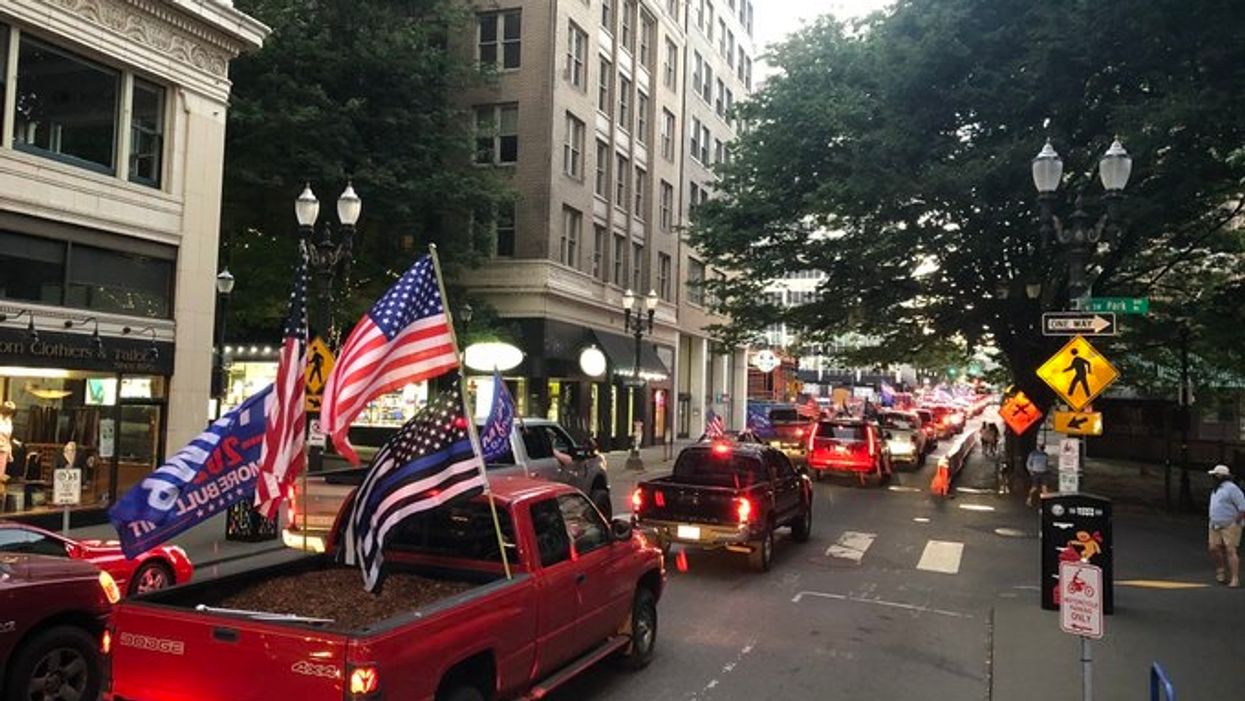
(621, 353)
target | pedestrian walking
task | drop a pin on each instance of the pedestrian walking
(989, 438)
(1227, 512)
(1037, 464)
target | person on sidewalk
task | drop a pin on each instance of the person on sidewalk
(1227, 511)
(1037, 465)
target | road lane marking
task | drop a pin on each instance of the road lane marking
(974, 490)
(852, 545)
(976, 507)
(920, 519)
(1161, 584)
(1008, 532)
(878, 602)
(941, 556)
(898, 488)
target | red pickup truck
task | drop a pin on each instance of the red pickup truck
(446, 626)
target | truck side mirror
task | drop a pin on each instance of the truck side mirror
(620, 529)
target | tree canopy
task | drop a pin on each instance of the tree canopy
(894, 155)
(365, 90)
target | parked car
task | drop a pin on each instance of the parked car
(850, 446)
(52, 617)
(162, 566)
(538, 448)
(726, 495)
(904, 436)
(446, 625)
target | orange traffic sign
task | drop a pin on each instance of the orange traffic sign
(1078, 373)
(320, 362)
(1019, 413)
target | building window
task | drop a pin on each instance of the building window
(695, 196)
(721, 37)
(708, 84)
(748, 74)
(637, 267)
(696, 282)
(607, 15)
(120, 283)
(620, 259)
(497, 134)
(146, 133)
(719, 104)
(704, 145)
(670, 69)
(667, 134)
(718, 151)
(663, 276)
(730, 104)
(601, 183)
(750, 18)
(641, 117)
(499, 40)
(572, 220)
(504, 229)
(576, 54)
(730, 49)
(698, 72)
(700, 14)
(600, 238)
(648, 32)
(573, 149)
(624, 107)
(604, 103)
(34, 269)
(621, 175)
(641, 186)
(709, 20)
(628, 25)
(696, 138)
(66, 107)
(667, 206)
(739, 69)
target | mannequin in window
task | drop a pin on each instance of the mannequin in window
(7, 410)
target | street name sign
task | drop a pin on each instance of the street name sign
(320, 363)
(66, 486)
(1078, 373)
(1078, 423)
(1120, 305)
(1078, 324)
(1019, 413)
(1080, 599)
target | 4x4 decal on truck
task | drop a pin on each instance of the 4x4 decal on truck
(312, 669)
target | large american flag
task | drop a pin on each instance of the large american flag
(405, 337)
(429, 462)
(284, 452)
(714, 427)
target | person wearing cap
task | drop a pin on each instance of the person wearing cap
(1227, 512)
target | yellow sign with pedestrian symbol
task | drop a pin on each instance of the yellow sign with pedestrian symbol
(319, 364)
(1079, 423)
(1078, 373)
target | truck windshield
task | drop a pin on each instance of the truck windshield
(784, 415)
(462, 530)
(703, 467)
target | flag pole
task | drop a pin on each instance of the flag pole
(470, 415)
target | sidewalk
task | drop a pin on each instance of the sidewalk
(205, 543)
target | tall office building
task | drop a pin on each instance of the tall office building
(589, 114)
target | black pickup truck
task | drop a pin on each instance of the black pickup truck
(726, 495)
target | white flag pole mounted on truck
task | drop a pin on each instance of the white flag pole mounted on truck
(471, 424)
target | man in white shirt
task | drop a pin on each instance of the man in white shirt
(1227, 511)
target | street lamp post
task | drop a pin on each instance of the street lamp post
(1082, 234)
(326, 259)
(224, 288)
(634, 322)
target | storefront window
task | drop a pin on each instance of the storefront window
(31, 269)
(146, 133)
(66, 107)
(123, 283)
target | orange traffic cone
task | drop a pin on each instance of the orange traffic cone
(941, 484)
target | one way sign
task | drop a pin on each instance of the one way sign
(1078, 324)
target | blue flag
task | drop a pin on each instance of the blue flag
(758, 421)
(495, 436)
(220, 466)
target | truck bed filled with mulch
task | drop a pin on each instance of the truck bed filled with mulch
(338, 594)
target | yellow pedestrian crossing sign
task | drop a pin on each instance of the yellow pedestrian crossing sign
(319, 364)
(1078, 423)
(1078, 373)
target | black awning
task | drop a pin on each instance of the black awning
(621, 353)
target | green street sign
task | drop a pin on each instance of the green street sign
(1120, 305)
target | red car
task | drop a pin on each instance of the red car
(850, 446)
(162, 566)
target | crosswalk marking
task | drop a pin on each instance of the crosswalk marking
(852, 545)
(941, 556)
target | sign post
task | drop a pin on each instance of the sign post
(66, 492)
(1080, 613)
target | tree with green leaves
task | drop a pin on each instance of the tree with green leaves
(894, 155)
(361, 90)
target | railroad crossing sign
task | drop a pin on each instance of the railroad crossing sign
(1019, 413)
(1078, 373)
(1078, 323)
(320, 362)
(1079, 423)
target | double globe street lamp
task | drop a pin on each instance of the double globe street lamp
(634, 323)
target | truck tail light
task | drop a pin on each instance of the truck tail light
(873, 448)
(289, 495)
(109, 585)
(659, 498)
(743, 508)
(637, 500)
(105, 642)
(364, 682)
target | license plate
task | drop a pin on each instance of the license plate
(689, 532)
(840, 449)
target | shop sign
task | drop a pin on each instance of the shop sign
(766, 361)
(79, 352)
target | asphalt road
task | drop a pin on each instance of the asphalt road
(890, 599)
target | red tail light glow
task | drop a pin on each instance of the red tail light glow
(364, 680)
(659, 498)
(744, 509)
(872, 445)
(637, 499)
(799, 433)
(721, 448)
(105, 642)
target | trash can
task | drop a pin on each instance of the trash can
(244, 523)
(1076, 527)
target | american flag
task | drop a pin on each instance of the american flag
(284, 453)
(405, 337)
(429, 462)
(714, 428)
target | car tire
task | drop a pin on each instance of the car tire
(762, 555)
(802, 526)
(461, 693)
(151, 576)
(55, 650)
(600, 496)
(643, 630)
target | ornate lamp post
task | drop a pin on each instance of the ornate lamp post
(634, 323)
(220, 382)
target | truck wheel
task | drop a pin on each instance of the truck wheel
(600, 497)
(462, 693)
(802, 526)
(762, 555)
(643, 630)
(59, 663)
